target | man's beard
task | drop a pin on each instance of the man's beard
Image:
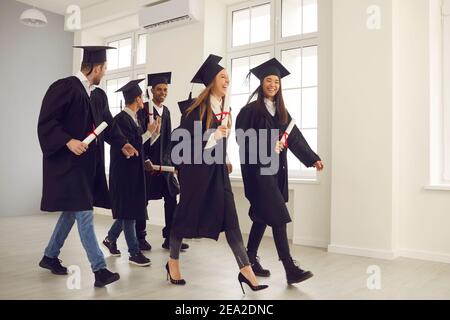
(96, 81)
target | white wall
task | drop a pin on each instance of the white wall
(361, 206)
(31, 59)
(425, 214)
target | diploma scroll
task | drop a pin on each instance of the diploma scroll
(95, 133)
(284, 138)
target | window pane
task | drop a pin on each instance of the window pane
(237, 102)
(142, 49)
(125, 53)
(255, 61)
(111, 87)
(309, 16)
(292, 60)
(240, 68)
(113, 56)
(311, 137)
(143, 84)
(293, 162)
(309, 67)
(293, 101)
(260, 23)
(241, 27)
(291, 17)
(309, 108)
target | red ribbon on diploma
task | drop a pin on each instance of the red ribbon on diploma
(285, 135)
(93, 131)
(222, 116)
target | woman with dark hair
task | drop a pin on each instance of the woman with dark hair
(268, 191)
(206, 207)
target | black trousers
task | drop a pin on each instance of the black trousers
(279, 236)
(170, 204)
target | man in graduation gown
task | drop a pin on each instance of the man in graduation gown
(159, 185)
(127, 178)
(74, 178)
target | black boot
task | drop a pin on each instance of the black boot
(166, 245)
(54, 265)
(144, 245)
(256, 266)
(294, 274)
(104, 277)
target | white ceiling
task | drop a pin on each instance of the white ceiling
(60, 6)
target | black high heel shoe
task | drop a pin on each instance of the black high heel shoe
(180, 282)
(242, 278)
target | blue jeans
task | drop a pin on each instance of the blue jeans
(85, 223)
(129, 229)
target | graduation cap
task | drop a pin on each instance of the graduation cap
(208, 71)
(159, 78)
(94, 54)
(131, 90)
(184, 105)
(270, 68)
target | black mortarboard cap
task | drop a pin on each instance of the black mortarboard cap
(208, 71)
(159, 78)
(131, 90)
(184, 105)
(94, 54)
(271, 67)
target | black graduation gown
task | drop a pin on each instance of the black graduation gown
(268, 194)
(70, 182)
(126, 176)
(159, 154)
(206, 206)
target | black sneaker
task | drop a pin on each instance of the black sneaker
(104, 277)
(140, 260)
(54, 265)
(144, 245)
(166, 245)
(112, 247)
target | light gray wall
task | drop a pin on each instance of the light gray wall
(30, 60)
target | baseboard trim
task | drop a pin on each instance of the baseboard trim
(362, 252)
(310, 242)
(424, 255)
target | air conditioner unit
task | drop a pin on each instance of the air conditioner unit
(166, 14)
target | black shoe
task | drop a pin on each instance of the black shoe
(257, 267)
(242, 278)
(54, 265)
(112, 247)
(104, 277)
(294, 274)
(180, 282)
(140, 260)
(166, 245)
(144, 245)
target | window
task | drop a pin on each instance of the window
(251, 24)
(124, 64)
(252, 27)
(445, 130)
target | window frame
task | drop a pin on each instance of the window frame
(445, 82)
(243, 6)
(132, 71)
(275, 48)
